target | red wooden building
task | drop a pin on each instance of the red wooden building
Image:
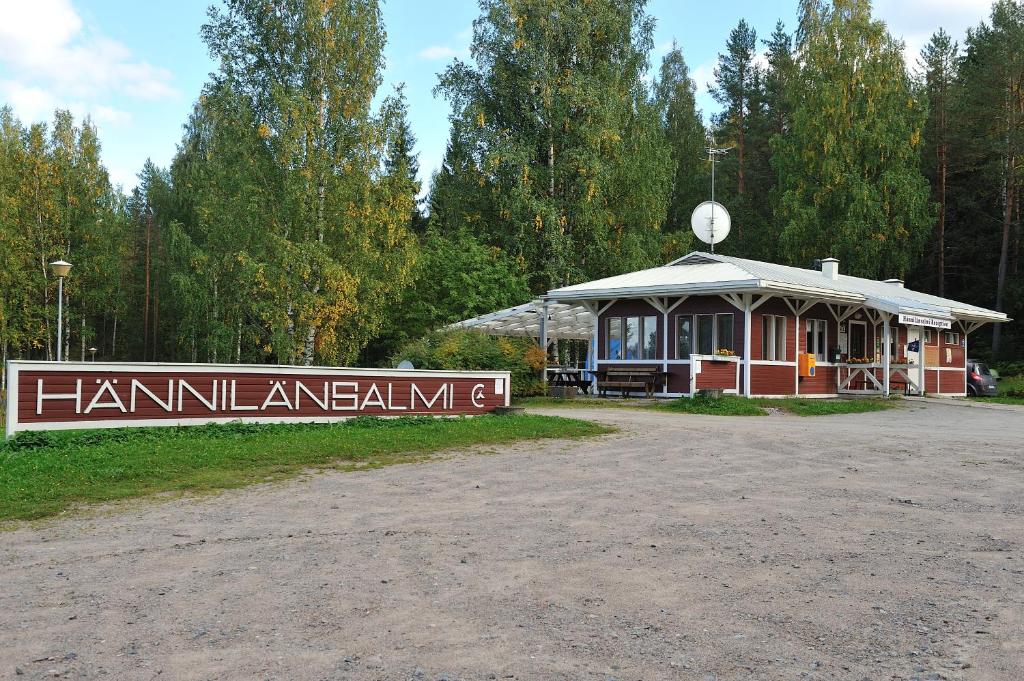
(758, 329)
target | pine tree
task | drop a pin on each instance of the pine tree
(735, 85)
(992, 148)
(939, 63)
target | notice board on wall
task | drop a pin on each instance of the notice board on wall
(66, 395)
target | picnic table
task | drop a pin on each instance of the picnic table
(568, 377)
(628, 379)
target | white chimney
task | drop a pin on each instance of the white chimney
(895, 282)
(830, 268)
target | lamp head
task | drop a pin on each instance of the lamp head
(60, 267)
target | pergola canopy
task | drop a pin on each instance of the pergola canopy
(565, 321)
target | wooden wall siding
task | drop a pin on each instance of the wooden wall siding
(822, 383)
(249, 390)
(931, 380)
(679, 378)
(718, 375)
(952, 382)
(768, 379)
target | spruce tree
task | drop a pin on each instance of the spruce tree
(674, 92)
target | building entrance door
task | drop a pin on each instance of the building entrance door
(858, 340)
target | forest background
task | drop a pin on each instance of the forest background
(288, 228)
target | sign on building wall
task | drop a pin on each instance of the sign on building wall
(65, 395)
(919, 320)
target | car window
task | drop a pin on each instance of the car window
(982, 369)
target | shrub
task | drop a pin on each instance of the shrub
(472, 350)
(1007, 369)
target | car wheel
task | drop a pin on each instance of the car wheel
(972, 391)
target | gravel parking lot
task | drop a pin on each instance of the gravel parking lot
(880, 546)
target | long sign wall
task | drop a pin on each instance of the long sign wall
(63, 395)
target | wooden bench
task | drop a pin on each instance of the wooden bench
(626, 380)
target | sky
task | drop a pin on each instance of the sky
(136, 68)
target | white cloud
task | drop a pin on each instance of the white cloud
(28, 103)
(435, 52)
(108, 115)
(703, 75)
(45, 43)
(914, 21)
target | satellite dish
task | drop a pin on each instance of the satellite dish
(405, 364)
(710, 222)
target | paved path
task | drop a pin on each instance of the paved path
(683, 547)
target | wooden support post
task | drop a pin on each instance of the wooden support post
(746, 344)
(886, 344)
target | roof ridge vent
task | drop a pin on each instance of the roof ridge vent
(894, 282)
(830, 268)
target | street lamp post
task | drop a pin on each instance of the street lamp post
(93, 351)
(60, 269)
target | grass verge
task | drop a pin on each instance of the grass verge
(1011, 391)
(729, 405)
(42, 474)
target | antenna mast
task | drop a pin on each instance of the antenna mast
(713, 154)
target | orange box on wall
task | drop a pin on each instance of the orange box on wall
(806, 364)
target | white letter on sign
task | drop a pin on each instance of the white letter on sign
(478, 395)
(336, 395)
(76, 396)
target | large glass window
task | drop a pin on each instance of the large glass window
(632, 338)
(724, 340)
(614, 349)
(649, 325)
(684, 336)
(817, 339)
(714, 333)
(773, 338)
(705, 334)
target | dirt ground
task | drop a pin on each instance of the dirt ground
(877, 546)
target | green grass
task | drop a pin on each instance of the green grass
(1011, 391)
(727, 405)
(45, 473)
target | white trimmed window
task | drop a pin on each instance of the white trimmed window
(773, 338)
(613, 339)
(631, 338)
(684, 336)
(714, 333)
(951, 338)
(817, 339)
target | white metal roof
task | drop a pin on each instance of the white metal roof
(572, 321)
(707, 273)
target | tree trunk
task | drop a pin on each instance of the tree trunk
(309, 348)
(82, 339)
(145, 305)
(1004, 250)
(156, 295)
(113, 340)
